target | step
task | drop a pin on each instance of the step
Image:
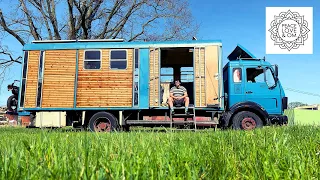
(197, 122)
(182, 107)
(182, 122)
(206, 123)
(182, 115)
(155, 122)
(182, 129)
(141, 122)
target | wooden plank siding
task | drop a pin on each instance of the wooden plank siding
(32, 79)
(199, 73)
(58, 81)
(105, 87)
(154, 78)
(212, 63)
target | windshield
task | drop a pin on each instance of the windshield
(269, 77)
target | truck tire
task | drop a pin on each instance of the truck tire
(12, 103)
(246, 120)
(103, 122)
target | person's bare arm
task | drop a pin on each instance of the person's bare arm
(185, 94)
(171, 95)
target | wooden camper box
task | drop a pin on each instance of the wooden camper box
(65, 84)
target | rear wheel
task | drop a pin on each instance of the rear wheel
(246, 120)
(103, 122)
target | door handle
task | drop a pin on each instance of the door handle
(248, 92)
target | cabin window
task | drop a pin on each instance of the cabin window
(237, 75)
(166, 74)
(92, 59)
(24, 78)
(118, 59)
(40, 78)
(186, 74)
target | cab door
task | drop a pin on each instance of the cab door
(261, 88)
(236, 86)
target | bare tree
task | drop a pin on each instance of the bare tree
(132, 20)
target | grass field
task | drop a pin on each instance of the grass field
(269, 153)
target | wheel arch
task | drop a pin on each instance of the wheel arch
(246, 106)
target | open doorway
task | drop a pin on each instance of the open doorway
(176, 64)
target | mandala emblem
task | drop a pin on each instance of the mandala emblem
(289, 30)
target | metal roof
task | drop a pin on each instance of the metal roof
(100, 44)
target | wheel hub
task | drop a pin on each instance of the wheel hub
(248, 123)
(102, 125)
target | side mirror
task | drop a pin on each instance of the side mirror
(276, 71)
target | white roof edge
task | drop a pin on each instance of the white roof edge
(80, 40)
(101, 40)
(48, 41)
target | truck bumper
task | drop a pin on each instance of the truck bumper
(278, 119)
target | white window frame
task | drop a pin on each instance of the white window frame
(126, 50)
(84, 59)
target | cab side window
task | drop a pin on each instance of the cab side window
(255, 75)
(237, 75)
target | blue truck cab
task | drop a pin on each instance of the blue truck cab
(254, 95)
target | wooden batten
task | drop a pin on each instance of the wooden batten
(59, 77)
(105, 87)
(32, 79)
(154, 78)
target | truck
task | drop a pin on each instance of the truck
(107, 85)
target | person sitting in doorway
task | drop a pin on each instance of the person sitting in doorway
(178, 97)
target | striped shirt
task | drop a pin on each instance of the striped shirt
(178, 92)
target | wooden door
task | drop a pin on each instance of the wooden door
(199, 75)
(211, 74)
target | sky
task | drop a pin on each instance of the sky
(238, 22)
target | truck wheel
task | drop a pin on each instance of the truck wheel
(12, 103)
(246, 120)
(103, 122)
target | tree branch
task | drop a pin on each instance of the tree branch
(11, 59)
(32, 27)
(39, 6)
(71, 23)
(123, 21)
(143, 28)
(10, 31)
(53, 18)
(114, 10)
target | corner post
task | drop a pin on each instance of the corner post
(76, 80)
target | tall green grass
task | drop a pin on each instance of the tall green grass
(269, 153)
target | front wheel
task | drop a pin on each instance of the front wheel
(246, 120)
